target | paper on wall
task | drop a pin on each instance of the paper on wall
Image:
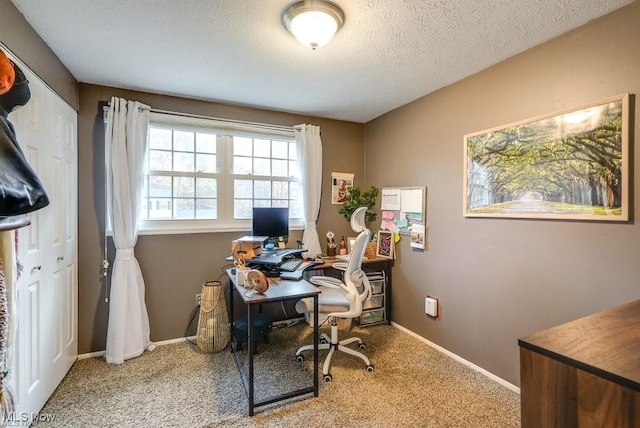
(390, 200)
(411, 200)
(417, 236)
(415, 217)
(387, 220)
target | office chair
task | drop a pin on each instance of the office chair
(340, 299)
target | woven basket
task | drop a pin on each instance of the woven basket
(213, 323)
(371, 251)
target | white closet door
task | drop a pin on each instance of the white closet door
(62, 190)
(31, 388)
(46, 343)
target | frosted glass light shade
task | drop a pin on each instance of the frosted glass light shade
(313, 23)
(313, 29)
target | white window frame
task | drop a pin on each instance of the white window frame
(225, 195)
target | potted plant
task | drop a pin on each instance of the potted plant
(356, 199)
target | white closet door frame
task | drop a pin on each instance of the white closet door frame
(46, 312)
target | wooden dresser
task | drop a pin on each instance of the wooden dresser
(585, 373)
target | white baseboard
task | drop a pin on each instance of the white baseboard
(176, 340)
(97, 354)
(460, 359)
(162, 342)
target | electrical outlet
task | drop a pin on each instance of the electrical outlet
(431, 306)
(198, 299)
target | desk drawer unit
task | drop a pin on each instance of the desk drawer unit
(373, 309)
(375, 302)
(377, 286)
(374, 316)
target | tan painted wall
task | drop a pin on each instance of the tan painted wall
(500, 279)
(174, 266)
(20, 38)
(497, 279)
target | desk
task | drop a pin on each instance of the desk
(583, 373)
(281, 291)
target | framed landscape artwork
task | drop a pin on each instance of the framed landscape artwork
(570, 165)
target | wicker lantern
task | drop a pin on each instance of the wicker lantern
(213, 323)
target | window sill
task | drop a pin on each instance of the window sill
(185, 227)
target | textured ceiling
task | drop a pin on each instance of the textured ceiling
(388, 53)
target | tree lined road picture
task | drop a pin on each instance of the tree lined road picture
(570, 165)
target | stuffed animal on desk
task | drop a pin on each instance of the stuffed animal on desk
(254, 279)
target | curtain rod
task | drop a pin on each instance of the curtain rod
(230, 121)
(263, 126)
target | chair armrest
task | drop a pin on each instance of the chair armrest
(340, 265)
(327, 281)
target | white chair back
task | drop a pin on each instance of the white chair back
(354, 276)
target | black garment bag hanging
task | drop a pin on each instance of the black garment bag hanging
(21, 191)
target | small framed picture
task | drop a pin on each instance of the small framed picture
(385, 244)
(341, 182)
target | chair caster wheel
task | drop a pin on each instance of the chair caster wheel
(327, 377)
(362, 346)
(369, 368)
(299, 358)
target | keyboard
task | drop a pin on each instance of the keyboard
(290, 265)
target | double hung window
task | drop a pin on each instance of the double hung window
(207, 175)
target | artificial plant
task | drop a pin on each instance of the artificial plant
(356, 199)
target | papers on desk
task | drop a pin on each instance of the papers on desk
(347, 257)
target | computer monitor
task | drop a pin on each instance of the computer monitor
(272, 222)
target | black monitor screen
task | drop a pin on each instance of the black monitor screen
(271, 222)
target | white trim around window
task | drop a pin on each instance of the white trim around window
(225, 210)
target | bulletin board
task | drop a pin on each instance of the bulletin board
(404, 212)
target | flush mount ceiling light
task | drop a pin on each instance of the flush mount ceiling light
(313, 22)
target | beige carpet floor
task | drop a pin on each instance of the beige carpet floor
(176, 385)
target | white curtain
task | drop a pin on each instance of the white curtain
(126, 139)
(310, 157)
